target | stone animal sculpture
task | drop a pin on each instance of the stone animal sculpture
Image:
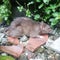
(26, 26)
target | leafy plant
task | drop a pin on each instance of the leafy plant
(5, 10)
(46, 10)
(41, 10)
(37, 16)
(20, 8)
(28, 13)
(6, 58)
(56, 18)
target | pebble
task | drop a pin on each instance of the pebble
(24, 38)
(42, 53)
(40, 50)
(51, 58)
(57, 57)
(23, 57)
(30, 54)
(2, 29)
(1, 35)
(4, 54)
(4, 40)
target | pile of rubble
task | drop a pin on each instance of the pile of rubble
(24, 48)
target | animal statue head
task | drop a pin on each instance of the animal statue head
(45, 28)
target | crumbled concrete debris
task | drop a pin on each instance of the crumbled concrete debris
(51, 57)
(23, 57)
(48, 43)
(44, 52)
(24, 43)
(41, 53)
(57, 57)
(2, 29)
(1, 35)
(3, 40)
(39, 57)
(40, 49)
(54, 37)
(56, 45)
(4, 54)
(24, 38)
(49, 51)
(29, 54)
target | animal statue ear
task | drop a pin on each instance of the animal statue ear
(42, 23)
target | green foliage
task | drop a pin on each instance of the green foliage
(20, 8)
(5, 10)
(37, 16)
(28, 13)
(40, 6)
(38, 0)
(56, 18)
(46, 10)
(46, 1)
(6, 58)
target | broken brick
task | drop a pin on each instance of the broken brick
(13, 40)
(16, 51)
(34, 43)
(30, 54)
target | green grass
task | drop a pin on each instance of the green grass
(6, 58)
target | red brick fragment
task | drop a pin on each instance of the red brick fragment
(16, 51)
(13, 40)
(34, 43)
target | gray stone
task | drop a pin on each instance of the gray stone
(40, 50)
(24, 38)
(1, 35)
(4, 54)
(48, 43)
(4, 40)
(51, 57)
(23, 57)
(49, 51)
(2, 29)
(40, 56)
(30, 54)
(57, 57)
(56, 45)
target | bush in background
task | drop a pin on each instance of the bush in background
(5, 11)
(45, 10)
(40, 10)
